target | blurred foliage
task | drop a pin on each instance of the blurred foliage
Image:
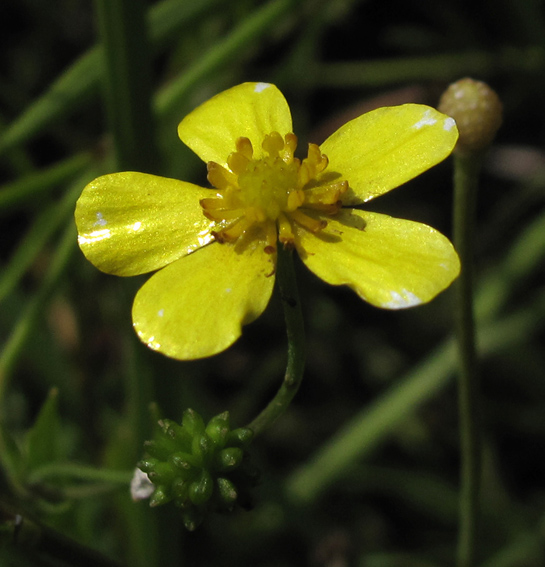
(363, 468)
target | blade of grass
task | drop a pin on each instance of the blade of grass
(374, 423)
(46, 223)
(80, 82)
(445, 67)
(15, 343)
(20, 193)
(127, 83)
(239, 40)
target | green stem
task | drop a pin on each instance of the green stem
(287, 283)
(32, 187)
(466, 176)
(80, 472)
(33, 538)
(122, 26)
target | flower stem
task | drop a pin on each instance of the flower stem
(466, 175)
(287, 283)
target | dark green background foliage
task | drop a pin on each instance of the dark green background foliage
(379, 386)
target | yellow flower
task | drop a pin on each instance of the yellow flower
(215, 249)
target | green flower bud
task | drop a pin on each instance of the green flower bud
(240, 437)
(477, 110)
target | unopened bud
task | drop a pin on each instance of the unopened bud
(477, 110)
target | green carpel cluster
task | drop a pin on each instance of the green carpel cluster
(201, 468)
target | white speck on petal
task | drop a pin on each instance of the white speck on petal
(101, 221)
(260, 87)
(449, 124)
(136, 226)
(161, 312)
(426, 120)
(151, 342)
(401, 300)
(95, 236)
(228, 290)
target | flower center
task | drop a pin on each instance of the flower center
(272, 194)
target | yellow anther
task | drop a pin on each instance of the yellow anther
(270, 194)
(315, 161)
(273, 143)
(220, 177)
(244, 146)
(291, 143)
(237, 162)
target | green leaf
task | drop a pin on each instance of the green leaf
(12, 460)
(42, 441)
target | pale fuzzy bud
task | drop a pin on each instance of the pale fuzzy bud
(477, 110)
(141, 486)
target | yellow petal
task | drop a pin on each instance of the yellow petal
(382, 149)
(196, 307)
(250, 110)
(131, 223)
(391, 263)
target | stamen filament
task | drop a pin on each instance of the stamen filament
(313, 225)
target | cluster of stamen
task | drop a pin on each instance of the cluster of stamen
(271, 194)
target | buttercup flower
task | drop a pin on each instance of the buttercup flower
(215, 249)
